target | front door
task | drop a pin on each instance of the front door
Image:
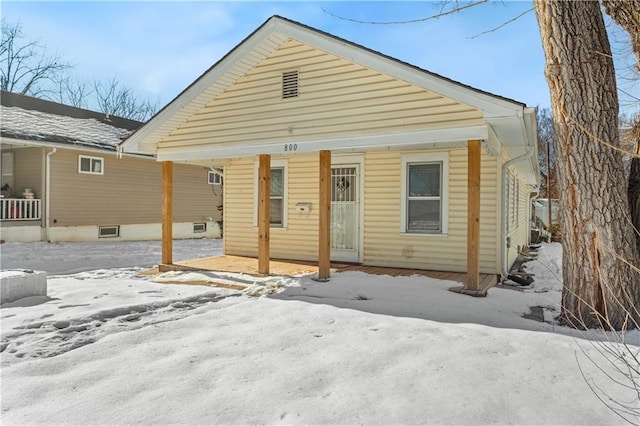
(345, 213)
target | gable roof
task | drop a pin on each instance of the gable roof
(26, 118)
(508, 123)
(271, 34)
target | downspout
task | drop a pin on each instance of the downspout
(48, 194)
(534, 190)
(504, 206)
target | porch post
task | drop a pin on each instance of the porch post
(324, 217)
(473, 216)
(264, 212)
(167, 212)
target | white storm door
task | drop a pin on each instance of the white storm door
(345, 212)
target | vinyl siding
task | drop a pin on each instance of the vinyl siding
(518, 228)
(336, 99)
(299, 240)
(28, 171)
(383, 243)
(129, 192)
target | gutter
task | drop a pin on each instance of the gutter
(118, 152)
(48, 194)
(531, 148)
(534, 190)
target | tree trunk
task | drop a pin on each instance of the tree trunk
(634, 195)
(627, 15)
(600, 288)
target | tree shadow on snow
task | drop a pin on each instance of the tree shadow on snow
(429, 299)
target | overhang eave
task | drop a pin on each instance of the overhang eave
(435, 138)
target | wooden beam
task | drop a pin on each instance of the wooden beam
(264, 213)
(324, 217)
(473, 215)
(167, 212)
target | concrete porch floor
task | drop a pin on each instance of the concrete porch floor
(249, 265)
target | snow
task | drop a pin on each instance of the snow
(111, 346)
(12, 273)
(37, 125)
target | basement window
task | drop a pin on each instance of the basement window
(199, 227)
(290, 84)
(109, 231)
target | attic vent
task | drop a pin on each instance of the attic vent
(290, 84)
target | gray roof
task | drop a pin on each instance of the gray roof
(26, 118)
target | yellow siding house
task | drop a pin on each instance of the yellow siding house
(334, 152)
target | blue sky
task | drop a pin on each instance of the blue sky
(159, 48)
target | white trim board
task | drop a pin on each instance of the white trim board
(427, 139)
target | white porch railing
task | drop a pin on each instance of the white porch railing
(19, 209)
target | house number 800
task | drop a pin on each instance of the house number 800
(290, 147)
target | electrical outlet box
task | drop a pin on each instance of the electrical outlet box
(303, 208)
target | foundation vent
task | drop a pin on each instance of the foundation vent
(109, 231)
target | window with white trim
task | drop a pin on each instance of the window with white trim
(214, 178)
(6, 170)
(513, 189)
(90, 165)
(424, 194)
(277, 194)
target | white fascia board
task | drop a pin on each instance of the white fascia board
(132, 144)
(425, 139)
(37, 144)
(491, 105)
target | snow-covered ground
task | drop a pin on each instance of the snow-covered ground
(110, 346)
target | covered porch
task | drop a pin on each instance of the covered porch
(249, 265)
(472, 282)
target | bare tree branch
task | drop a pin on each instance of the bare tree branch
(24, 66)
(69, 92)
(456, 9)
(114, 99)
(503, 24)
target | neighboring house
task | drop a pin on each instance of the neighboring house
(63, 179)
(417, 170)
(541, 212)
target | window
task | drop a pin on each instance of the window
(289, 84)
(90, 165)
(199, 227)
(277, 194)
(214, 178)
(6, 170)
(513, 189)
(108, 231)
(424, 194)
